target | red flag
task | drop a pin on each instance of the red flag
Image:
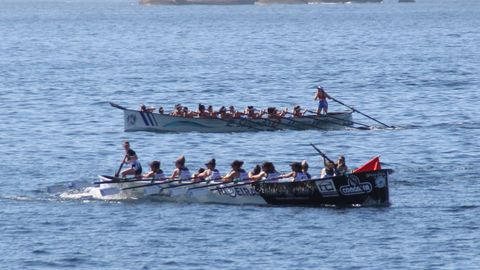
(372, 165)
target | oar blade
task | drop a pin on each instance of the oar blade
(109, 191)
(152, 190)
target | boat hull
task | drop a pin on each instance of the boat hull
(155, 122)
(366, 188)
(356, 189)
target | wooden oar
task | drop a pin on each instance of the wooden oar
(338, 101)
(121, 165)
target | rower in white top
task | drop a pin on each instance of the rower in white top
(181, 172)
(296, 174)
(237, 173)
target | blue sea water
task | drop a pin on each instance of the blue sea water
(414, 66)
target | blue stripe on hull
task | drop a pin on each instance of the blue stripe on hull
(144, 119)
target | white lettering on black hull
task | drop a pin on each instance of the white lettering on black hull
(355, 187)
(327, 188)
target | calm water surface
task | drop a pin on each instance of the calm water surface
(414, 66)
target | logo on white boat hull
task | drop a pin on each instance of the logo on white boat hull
(355, 186)
(237, 191)
(131, 119)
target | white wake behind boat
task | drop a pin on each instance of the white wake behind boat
(135, 120)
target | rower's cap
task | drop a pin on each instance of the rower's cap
(296, 107)
(319, 87)
(237, 163)
(211, 162)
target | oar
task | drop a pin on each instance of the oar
(360, 112)
(124, 180)
(364, 126)
(117, 106)
(321, 153)
(116, 190)
(121, 165)
(336, 171)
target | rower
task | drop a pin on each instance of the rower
(250, 112)
(341, 166)
(297, 111)
(177, 110)
(181, 172)
(305, 169)
(322, 96)
(135, 166)
(256, 170)
(201, 113)
(155, 172)
(160, 110)
(211, 173)
(268, 173)
(210, 111)
(296, 173)
(328, 170)
(237, 173)
(223, 113)
(233, 112)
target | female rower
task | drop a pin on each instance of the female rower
(305, 169)
(297, 111)
(322, 96)
(155, 172)
(201, 113)
(296, 173)
(268, 173)
(210, 174)
(181, 172)
(237, 172)
(328, 171)
(341, 166)
(256, 170)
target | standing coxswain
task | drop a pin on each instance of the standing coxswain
(322, 96)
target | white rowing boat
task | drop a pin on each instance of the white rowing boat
(150, 121)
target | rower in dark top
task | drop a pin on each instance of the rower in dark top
(322, 96)
(181, 172)
(237, 172)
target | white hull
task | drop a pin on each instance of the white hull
(239, 195)
(147, 121)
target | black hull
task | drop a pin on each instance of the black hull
(366, 189)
